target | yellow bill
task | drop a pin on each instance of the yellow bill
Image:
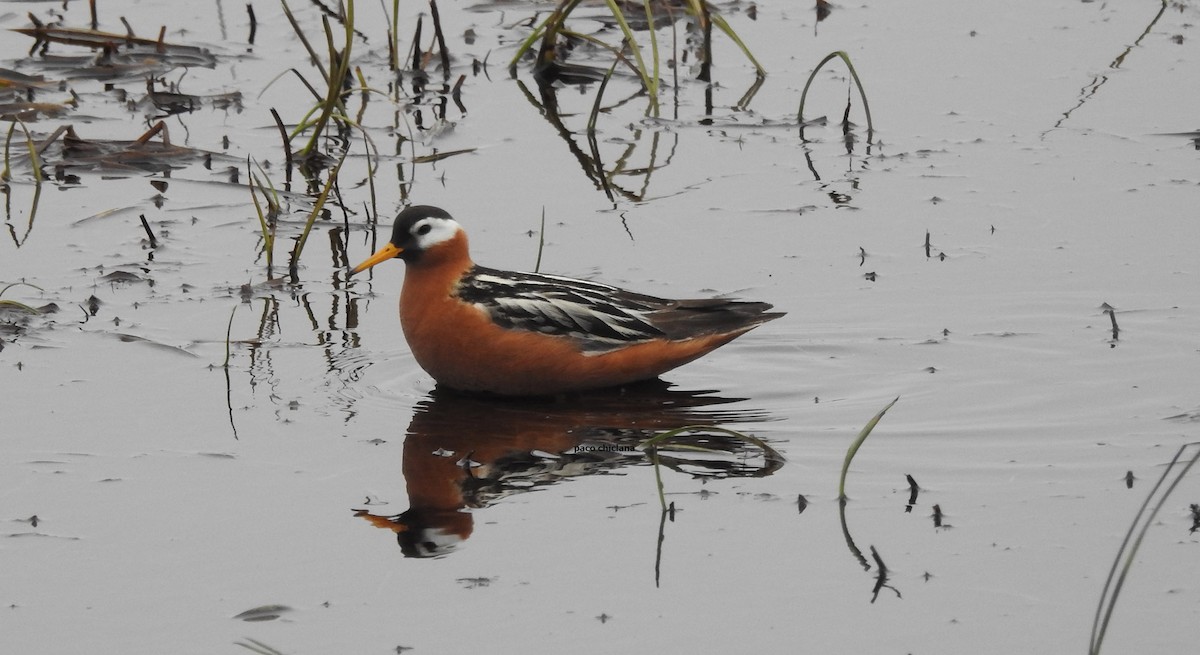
(385, 253)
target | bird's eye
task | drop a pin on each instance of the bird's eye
(424, 229)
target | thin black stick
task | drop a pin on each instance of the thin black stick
(253, 22)
(1112, 316)
(913, 490)
(149, 233)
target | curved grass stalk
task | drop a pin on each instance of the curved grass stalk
(293, 266)
(853, 73)
(773, 456)
(547, 29)
(335, 77)
(1129, 552)
(265, 222)
(858, 442)
(228, 337)
(721, 24)
(19, 305)
(650, 84)
(35, 164)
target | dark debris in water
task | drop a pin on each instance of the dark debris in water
(475, 582)
(263, 613)
(122, 277)
(140, 155)
(12, 81)
(118, 56)
(133, 338)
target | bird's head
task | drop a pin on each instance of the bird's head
(418, 230)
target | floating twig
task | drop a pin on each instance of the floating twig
(253, 23)
(913, 490)
(1112, 316)
(149, 232)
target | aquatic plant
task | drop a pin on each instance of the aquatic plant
(298, 247)
(549, 67)
(267, 222)
(15, 304)
(329, 108)
(858, 442)
(853, 74)
(330, 105)
(1131, 543)
(35, 164)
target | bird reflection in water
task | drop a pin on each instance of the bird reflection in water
(464, 452)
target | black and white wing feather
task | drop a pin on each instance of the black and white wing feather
(599, 317)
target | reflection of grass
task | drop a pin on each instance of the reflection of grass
(858, 442)
(1128, 550)
(35, 164)
(549, 31)
(853, 73)
(670, 439)
(256, 646)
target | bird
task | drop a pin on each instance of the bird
(480, 330)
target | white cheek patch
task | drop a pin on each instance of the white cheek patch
(441, 230)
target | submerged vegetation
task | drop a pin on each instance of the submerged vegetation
(554, 39)
(317, 139)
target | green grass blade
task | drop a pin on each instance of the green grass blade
(651, 85)
(722, 25)
(858, 442)
(653, 45)
(312, 219)
(19, 305)
(267, 236)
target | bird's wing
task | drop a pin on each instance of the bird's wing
(598, 317)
